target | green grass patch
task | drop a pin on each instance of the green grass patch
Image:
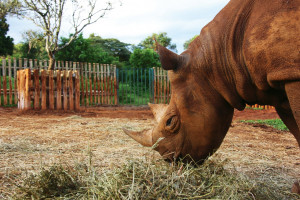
(148, 180)
(275, 123)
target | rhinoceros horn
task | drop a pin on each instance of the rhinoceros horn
(158, 110)
(169, 60)
(145, 137)
(142, 137)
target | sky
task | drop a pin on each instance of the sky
(131, 21)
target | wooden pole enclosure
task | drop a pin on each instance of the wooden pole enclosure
(48, 89)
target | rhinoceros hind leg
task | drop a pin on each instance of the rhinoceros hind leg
(290, 115)
(287, 117)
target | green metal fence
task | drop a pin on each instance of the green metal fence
(136, 86)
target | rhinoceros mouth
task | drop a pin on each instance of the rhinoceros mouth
(168, 156)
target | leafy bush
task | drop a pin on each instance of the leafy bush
(144, 58)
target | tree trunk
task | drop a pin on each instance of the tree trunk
(51, 60)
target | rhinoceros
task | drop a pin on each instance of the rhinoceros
(248, 54)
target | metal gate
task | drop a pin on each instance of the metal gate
(136, 86)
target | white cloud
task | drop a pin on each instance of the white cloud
(137, 19)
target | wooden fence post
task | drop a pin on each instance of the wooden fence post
(86, 85)
(36, 89)
(4, 80)
(44, 89)
(71, 91)
(90, 82)
(58, 90)
(27, 89)
(82, 84)
(19, 88)
(95, 83)
(51, 90)
(24, 83)
(10, 81)
(77, 91)
(102, 85)
(98, 83)
(105, 85)
(15, 82)
(65, 90)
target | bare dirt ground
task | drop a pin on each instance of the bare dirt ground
(31, 140)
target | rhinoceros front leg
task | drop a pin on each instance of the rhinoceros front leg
(293, 93)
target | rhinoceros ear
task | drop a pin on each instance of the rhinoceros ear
(169, 60)
(158, 110)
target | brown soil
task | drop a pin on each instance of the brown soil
(32, 139)
(131, 113)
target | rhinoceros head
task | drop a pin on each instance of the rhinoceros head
(197, 118)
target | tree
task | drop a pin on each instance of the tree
(49, 15)
(6, 42)
(33, 47)
(144, 58)
(112, 46)
(82, 50)
(7, 6)
(188, 42)
(161, 38)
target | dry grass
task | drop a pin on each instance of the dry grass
(148, 179)
(95, 154)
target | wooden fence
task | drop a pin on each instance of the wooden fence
(48, 89)
(162, 88)
(98, 82)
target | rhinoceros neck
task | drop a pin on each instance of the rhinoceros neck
(219, 47)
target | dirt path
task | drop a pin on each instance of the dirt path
(34, 139)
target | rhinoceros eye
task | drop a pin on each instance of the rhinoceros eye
(172, 124)
(169, 121)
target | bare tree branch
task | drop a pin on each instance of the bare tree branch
(49, 14)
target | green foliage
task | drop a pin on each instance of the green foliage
(275, 123)
(161, 38)
(34, 45)
(6, 42)
(82, 50)
(144, 58)
(8, 6)
(112, 46)
(188, 42)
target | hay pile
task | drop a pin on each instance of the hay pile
(147, 180)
